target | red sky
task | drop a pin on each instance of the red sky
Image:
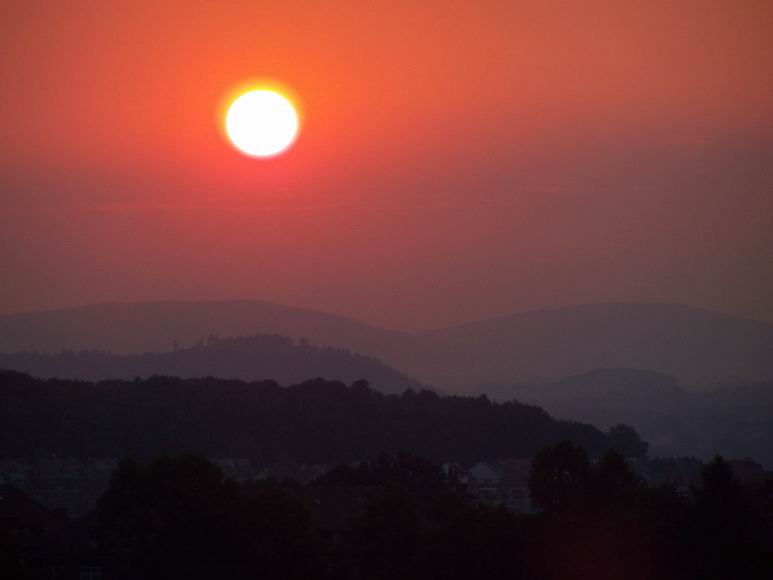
(457, 160)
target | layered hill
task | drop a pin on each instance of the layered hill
(734, 421)
(698, 346)
(313, 422)
(256, 357)
(132, 328)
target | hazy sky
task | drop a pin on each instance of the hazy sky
(458, 159)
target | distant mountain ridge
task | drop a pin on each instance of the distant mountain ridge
(248, 358)
(734, 421)
(698, 346)
(137, 327)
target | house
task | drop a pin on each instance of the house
(516, 473)
(504, 482)
(681, 472)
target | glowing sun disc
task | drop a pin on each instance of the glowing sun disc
(261, 123)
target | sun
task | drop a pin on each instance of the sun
(262, 123)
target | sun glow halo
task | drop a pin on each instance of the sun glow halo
(262, 123)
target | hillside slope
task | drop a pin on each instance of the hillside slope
(734, 421)
(257, 357)
(698, 346)
(314, 422)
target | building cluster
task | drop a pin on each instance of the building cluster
(75, 485)
(69, 484)
(504, 482)
(685, 473)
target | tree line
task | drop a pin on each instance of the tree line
(314, 422)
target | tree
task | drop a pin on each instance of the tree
(559, 478)
(388, 534)
(10, 561)
(625, 440)
(613, 478)
(720, 487)
(730, 539)
(180, 518)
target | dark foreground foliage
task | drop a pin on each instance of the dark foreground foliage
(317, 421)
(180, 518)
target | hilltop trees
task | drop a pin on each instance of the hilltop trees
(318, 421)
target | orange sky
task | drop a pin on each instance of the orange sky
(457, 160)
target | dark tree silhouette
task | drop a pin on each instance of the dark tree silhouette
(730, 538)
(625, 440)
(613, 479)
(720, 486)
(317, 421)
(179, 518)
(560, 478)
(176, 518)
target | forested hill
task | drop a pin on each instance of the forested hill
(317, 421)
(256, 357)
(699, 347)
